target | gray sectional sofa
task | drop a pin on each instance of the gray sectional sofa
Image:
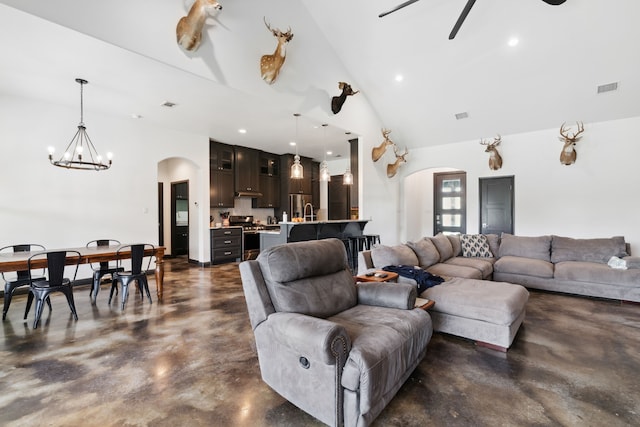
(554, 263)
(484, 296)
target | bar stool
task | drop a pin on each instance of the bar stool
(348, 245)
(358, 244)
(372, 239)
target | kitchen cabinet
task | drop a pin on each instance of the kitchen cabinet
(221, 179)
(269, 181)
(247, 168)
(226, 245)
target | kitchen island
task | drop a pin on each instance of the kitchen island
(312, 230)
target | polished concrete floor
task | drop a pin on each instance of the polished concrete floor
(190, 360)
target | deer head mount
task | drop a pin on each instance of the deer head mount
(189, 29)
(270, 64)
(338, 101)
(495, 159)
(379, 151)
(568, 155)
(392, 168)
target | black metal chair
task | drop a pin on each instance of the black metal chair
(103, 268)
(56, 282)
(136, 273)
(21, 278)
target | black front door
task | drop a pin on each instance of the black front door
(496, 205)
(450, 202)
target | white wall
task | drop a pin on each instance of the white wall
(59, 208)
(595, 197)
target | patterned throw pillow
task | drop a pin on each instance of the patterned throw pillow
(475, 245)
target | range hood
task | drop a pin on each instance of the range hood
(248, 194)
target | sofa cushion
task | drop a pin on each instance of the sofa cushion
(632, 261)
(494, 244)
(443, 244)
(524, 246)
(425, 251)
(593, 250)
(494, 302)
(384, 255)
(592, 272)
(475, 245)
(455, 244)
(309, 277)
(446, 270)
(484, 265)
(525, 266)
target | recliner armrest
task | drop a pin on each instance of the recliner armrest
(383, 294)
(310, 336)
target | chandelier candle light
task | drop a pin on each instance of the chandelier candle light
(296, 168)
(81, 153)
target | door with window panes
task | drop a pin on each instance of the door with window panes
(450, 203)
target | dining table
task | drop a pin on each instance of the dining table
(17, 261)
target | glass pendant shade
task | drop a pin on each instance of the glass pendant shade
(325, 176)
(347, 178)
(296, 168)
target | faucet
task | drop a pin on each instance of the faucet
(304, 212)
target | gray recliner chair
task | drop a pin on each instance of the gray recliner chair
(337, 350)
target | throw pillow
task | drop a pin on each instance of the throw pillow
(426, 252)
(383, 255)
(455, 244)
(475, 245)
(443, 244)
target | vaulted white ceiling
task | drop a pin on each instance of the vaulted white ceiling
(128, 52)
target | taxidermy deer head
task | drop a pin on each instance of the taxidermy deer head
(270, 64)
(568, 155)
(189, 29)
(495, 160)
(392, 168)
(337, 101)
(379, 151)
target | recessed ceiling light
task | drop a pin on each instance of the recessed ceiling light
(168, 104)
(292, 143)
(399, 77)
(329, 153)
(136, 116)
(513, 42)
(242, 131)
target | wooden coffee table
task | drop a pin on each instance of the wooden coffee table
(378, 276)
(424, 303)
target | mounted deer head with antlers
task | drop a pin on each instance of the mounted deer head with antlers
(568, 155)
(270, 64)
(495, 159)
(189, 29)
(338, 101)
(392, 168)
(379, 151)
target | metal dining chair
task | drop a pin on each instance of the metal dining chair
(55, 282)
(136, 273)
(103, 268)
(21, 278)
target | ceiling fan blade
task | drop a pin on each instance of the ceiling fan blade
(461, 18)
(554, 2)
(398, 7)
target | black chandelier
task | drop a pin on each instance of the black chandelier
(81, 153)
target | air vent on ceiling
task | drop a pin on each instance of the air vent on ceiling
(168, 104)
(608, 87)
(460, 116)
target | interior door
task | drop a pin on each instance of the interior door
(180, 218)
(338, 195)
(496, 205)
(450, 202)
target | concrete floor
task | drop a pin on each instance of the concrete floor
(190, 360)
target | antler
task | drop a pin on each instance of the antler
(496, 141)
(573, 138)
(385, 133)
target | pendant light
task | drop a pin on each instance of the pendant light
(347, 178)
(296, 168)
(81, 153)
(325, 176)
